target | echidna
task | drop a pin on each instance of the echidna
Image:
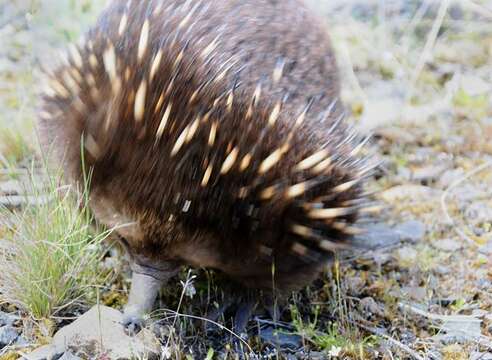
(215, 138)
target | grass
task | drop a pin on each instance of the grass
(50, 253)
(13, 145)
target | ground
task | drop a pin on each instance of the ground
(417, 74)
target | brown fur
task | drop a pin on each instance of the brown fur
(229, 223)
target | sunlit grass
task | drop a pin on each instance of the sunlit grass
(50, 253)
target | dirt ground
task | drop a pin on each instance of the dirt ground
(418, 76)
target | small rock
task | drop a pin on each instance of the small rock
(69, 356)
(461, 329)
(476, 355)
(376, 236)
(411, 231)
(429, 173)
(370, 305)
(7, 319)
(43, 353)
(8, 335)
(479, 212)
(22, 342)
(449, 177)
(486, 249)
(18, 201)
(442, 270)
(467, 192)
(100, 331)
(407, 255)
(474, 85)
(447, 245)
(279, 337)
(10, 187)
(354, 284)
(480, 313)
(379, 235)
(416, 293)
(316, 355)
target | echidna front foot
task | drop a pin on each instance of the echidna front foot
(147, 280)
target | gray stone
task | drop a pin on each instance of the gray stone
(460, 329)
(281, 338)
(100, 331)
(45, 352)
(380, 235)
(370, 305)
(411, 231)
(449, 177)
(430, 172)
(69, 356)
(447, 245)
(486, 249)
(476, 355)
(7, 319)
(8, 335)
(22, 342)
(417, 293)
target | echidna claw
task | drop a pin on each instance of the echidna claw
(132, 324)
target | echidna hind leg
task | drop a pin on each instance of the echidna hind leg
(244, 312)
(241, 305)
(145, 286)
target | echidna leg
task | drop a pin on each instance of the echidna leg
(146, 282)
(244, 312)
(243, 303)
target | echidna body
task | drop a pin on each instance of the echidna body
(214, 135)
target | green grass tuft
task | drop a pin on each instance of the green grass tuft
(50, 253)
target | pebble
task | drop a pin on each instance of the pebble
(416, 293)
(7, 319)
(477, 355)
(380, 235)
(69, 356)
(100, 330)
(429, 173)
(370, 305)
(279, 337)
(486, 249)
(447, 245)
(8, 335)
(449, 177)
(479, 212)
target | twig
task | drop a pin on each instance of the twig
(479, 9)
(417, 18)
(445, 194)
(429, 45)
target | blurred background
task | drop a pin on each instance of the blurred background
(415, 73)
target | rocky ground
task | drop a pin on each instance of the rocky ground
(418, 75)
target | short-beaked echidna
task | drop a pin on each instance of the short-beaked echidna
(215, 137)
